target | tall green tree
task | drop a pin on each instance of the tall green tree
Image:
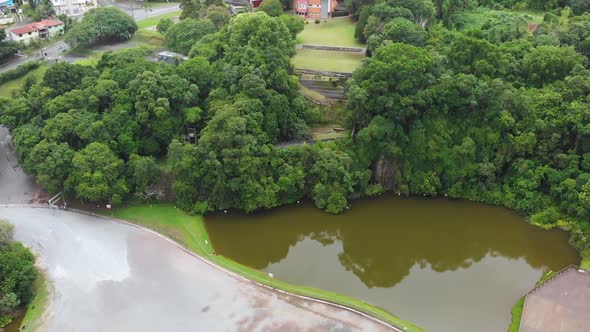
(265, 43)
(96, 175)
(101, 25)
(393, 83)
(184, 34)
(546, 64)
(17, 274)
(190, 9)
(271, 7)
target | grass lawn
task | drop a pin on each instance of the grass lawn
(91, 60)
(534, 15)
(7, 88)
(344, 62)
(37, 306)
(585, 259)
(475, 19)
(190, 231)
(336, 32)
(152, 21)
(516, 315)
(148, 38)
(327, 132)
(160, 4)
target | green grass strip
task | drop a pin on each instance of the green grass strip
(190, 231)
(516, 315)
(585, 259)
(36, 308)
(333, 32)
(337, 61)
(7, 88)
(152, 21)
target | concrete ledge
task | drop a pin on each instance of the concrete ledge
(348, 49)
(335, 74)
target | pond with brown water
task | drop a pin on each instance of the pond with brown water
(445, 265)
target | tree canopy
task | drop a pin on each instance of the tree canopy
(271, 7)
(101, 25)
(181, 36)
(17, 274)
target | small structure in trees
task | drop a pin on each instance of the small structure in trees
(172, 57)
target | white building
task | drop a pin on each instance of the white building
(73, 7)
(36, 30)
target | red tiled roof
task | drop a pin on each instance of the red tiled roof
(24, 29)
(32, 27)
(51, 23)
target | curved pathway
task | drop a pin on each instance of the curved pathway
(109, 276)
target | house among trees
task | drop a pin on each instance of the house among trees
(315, 9)
(172, 57)
(36, 31)
(7, 4)
(73, 7)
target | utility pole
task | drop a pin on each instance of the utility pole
(132, 14)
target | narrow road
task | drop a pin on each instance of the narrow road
(15, 186)
(139, 13)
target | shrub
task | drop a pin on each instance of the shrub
(546, 219)
(20, 71)
(101, 25)
(201, 207)
(164, 25)
(317, 21)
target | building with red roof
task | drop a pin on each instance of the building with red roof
(315, 9)
(36, 30)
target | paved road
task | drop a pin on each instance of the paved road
(140, 13)
(109, 276)
(15, 186)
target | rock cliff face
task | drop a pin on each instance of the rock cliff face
(385, 171)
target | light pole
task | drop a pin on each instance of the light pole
(132, 13)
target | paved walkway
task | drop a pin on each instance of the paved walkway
(561, 304)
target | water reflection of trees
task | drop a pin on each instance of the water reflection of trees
(382, 241)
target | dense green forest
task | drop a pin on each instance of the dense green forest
(488, 102)
(17, 274)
